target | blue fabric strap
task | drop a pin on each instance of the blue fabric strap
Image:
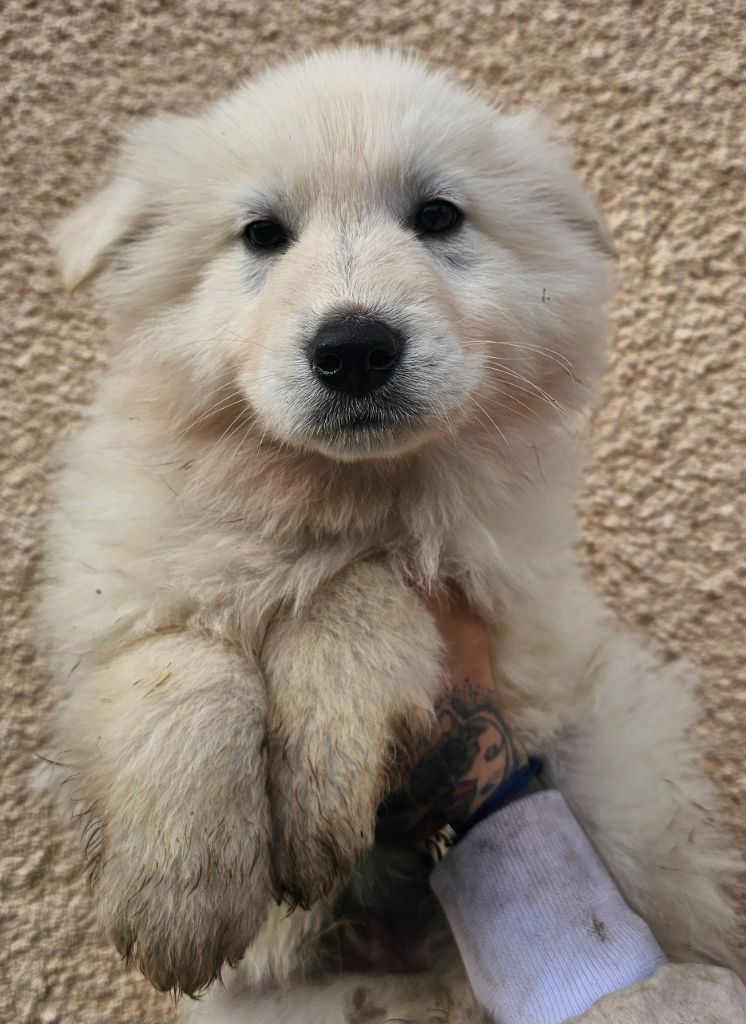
(522, 782)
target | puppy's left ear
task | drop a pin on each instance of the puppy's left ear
(554, 183)
(583, 215)
(85, 238)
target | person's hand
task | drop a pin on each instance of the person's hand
(471, 750)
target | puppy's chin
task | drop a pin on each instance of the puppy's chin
(357, 444)
(365, 434)
(361, 429)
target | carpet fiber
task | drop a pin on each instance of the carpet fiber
(650, 92)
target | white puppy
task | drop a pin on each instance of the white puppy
(354, 314)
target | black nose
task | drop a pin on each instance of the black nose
(355, 354)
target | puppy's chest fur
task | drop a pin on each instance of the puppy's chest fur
(266, 570)
(240, 546)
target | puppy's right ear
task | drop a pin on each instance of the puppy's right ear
(91, 233)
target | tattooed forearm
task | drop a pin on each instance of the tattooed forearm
(470, 753)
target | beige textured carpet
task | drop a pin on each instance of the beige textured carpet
(651, 93)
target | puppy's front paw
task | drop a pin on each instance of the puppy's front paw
(347, 677)
(171, 766)
(324, 798)
(180, 906)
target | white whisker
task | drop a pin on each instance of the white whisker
(484, 411)
(220, 406)
(553, 354)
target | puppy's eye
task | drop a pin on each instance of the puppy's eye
(265, 234)
(436, 217)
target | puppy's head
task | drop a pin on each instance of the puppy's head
(362, 255)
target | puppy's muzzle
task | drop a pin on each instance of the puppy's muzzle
(355, 354)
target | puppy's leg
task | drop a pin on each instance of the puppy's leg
(347, 676)
(171, 772)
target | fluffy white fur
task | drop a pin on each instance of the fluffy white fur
(229, 605)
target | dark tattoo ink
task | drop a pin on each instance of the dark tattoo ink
(470, 754)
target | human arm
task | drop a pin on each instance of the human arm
(542, 929)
